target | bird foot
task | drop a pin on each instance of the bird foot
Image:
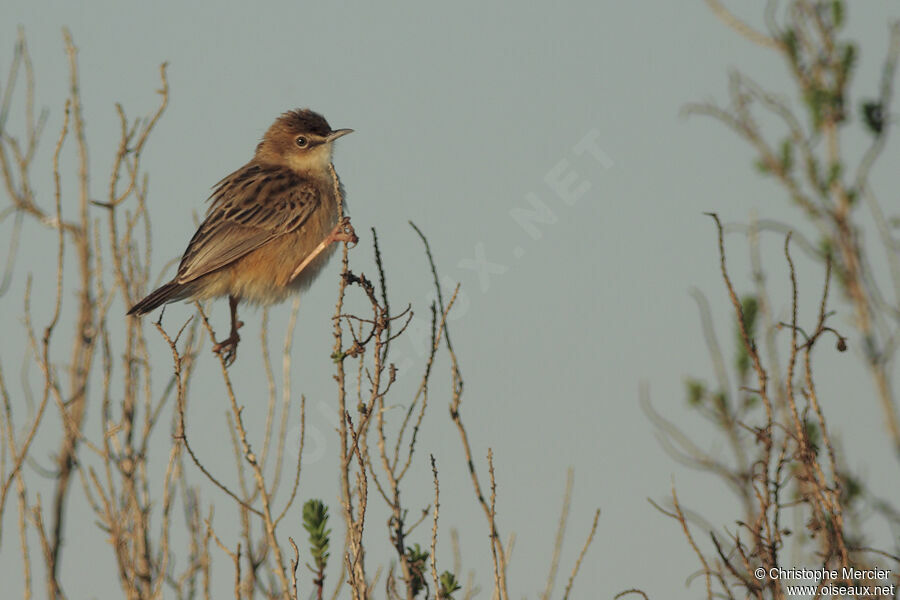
(342, 232)
(228, 347)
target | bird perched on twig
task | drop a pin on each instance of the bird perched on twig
(270, 227)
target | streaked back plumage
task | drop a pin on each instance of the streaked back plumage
(272, 196)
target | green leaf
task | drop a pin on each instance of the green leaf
(315, 522)
(787, 154)
(790, 42)
(837, 14)
(848, 59)
(812, 434)
(416, 559)
(448, 584)
(696, 390)
(720, 401)
(834, 173)
(817, 100)
(851, 488)
(749, 313)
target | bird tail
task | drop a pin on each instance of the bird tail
(170, 292)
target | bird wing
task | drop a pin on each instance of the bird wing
(250, 207)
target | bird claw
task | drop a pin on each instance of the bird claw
(343, 232)
(227, 348)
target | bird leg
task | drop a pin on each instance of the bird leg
(228, 347)
(342, 232)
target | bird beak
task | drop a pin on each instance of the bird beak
(336, 134)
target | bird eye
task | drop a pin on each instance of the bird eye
(302, 141)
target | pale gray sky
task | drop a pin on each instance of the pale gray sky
(463, 113)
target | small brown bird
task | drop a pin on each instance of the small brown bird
(270, 227)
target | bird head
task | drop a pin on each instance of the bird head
(301, 140)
